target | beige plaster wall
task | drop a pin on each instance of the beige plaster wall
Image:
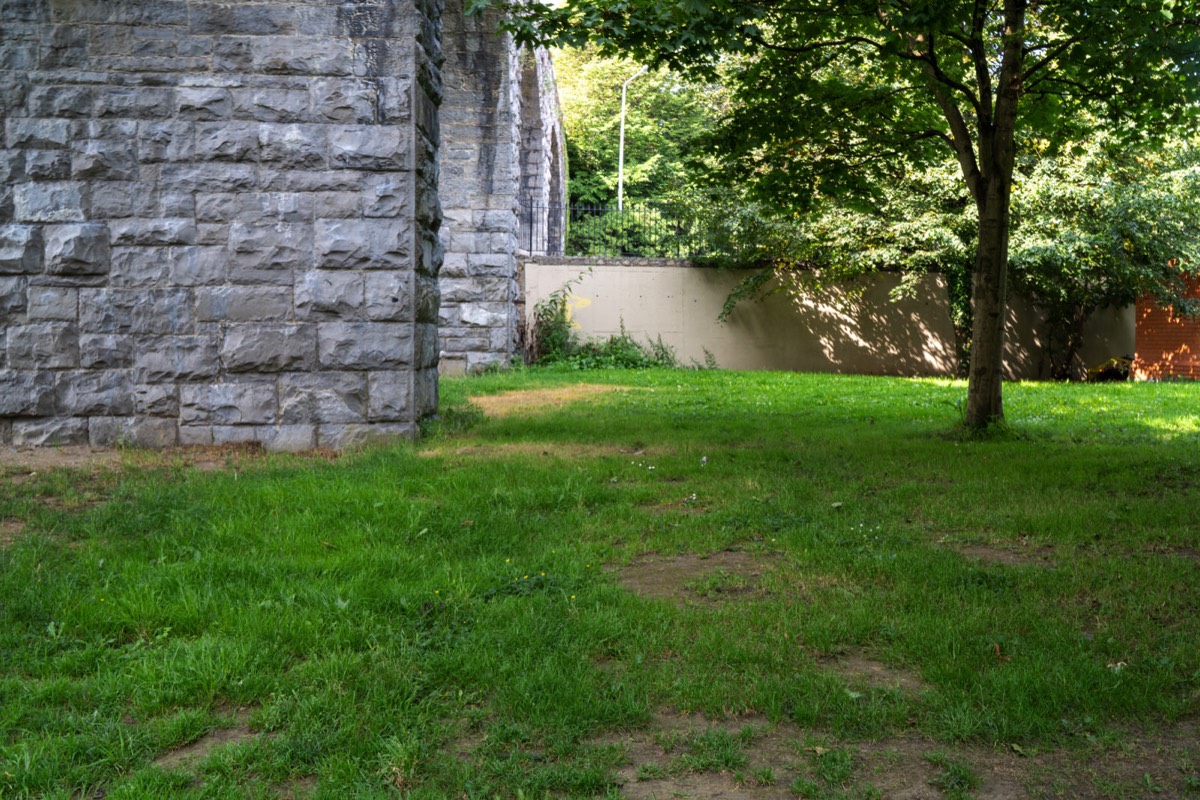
(874, 335)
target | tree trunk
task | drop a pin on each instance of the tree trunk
(985, 405)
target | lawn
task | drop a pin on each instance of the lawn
(660, 583)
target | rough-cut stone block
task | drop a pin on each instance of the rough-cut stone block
(138, 311)
(268, 348)
(47, 165)
(77, 249)
(51, 303)
(325, 295)
(195, 435)
(389, 296)
(271, 246)
(204, 103)
(227, 404)
(425, 393)
(293, 146)
(166, 141)
(44, 345)
(373, 148)
(227, 141)
(395, 100)
(345, 100)
(50, 432)
(271, 105)
(348, 437)
(20, 249)
(26, 393)
(95, 394)
(172, 358)
(203, 178)
(288, 438)
(390, 396)
(322, 397)
(235, 434)
(151, 400)
(255, 207)
(134, 102)
(300, 55)
(363, 244)
(243, 303)
(370, 345)
(14, 300)
(147, 432)
(387, 195)
(105, 351)
(162, 231)
(58, 102)
(49, 202)
(485, 315)
(38, 134)
(104, 159)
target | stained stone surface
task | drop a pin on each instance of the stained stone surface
(218, 221)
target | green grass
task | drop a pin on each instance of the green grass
(380, 614)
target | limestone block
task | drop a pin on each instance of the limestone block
(172, 358)
(288, 438)
(161, 231)
(166, 141)
(104, 159)
(298, 55)
(234, 434)
(345, 437)
(338, 205)
(390, 396)
(425, 393)
(370, 345)
(147, 432)
(323, 294)
(203, 178)
(428, 299)
(293, 146)
(389, 296)
(44, 345)
(60, 102)
(105, 351)
(374, 148)
(484, 315)
(227, 141)
(138, 311)
(51, 303)
(386, 195)
(268, 253)
(250, 207)
(95, 393)
(344, 100)
(20, 249)
(14, 300)
(271, 105)
(38, 134)
(46, 165)
(243, 303)
(50, 432)
(204, 102)
(156, 400)
(134, 102)
(49, 202)
(395, 100)
(269, 348)
(363, 244)
(227, 404)
(195, 435)
(322, 397)
(426, 346)
(77, 249)
(27, 393)
(313, 181)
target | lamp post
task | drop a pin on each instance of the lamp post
(621, 148)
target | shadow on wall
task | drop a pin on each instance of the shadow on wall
(855, 329)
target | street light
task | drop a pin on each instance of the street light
(621, 149)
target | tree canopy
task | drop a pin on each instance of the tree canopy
(850, 90)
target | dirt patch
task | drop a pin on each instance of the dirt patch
(725, 575)
(10, 529)
(509, 403)
(194, 752)
(43, 458)
(857, 668)
(1011, 556)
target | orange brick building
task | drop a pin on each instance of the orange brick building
(1167, 346)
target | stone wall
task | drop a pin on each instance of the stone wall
(500, 130)
(218, 221)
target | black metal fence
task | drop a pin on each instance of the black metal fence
(639, 230)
